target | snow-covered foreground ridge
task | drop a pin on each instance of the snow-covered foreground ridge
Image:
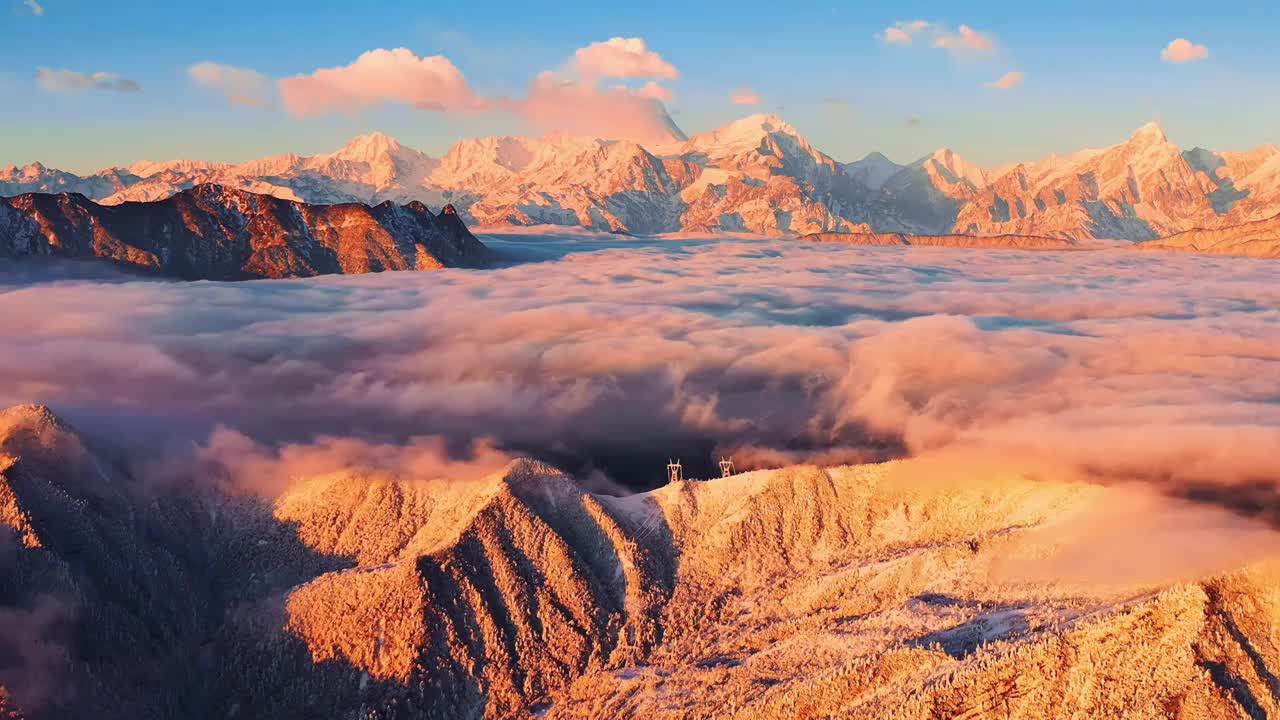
(913, 589)
(757, 174)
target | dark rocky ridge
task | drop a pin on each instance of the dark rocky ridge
(214, 233)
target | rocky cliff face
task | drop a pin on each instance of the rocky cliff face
(854, 592)
(215, 233)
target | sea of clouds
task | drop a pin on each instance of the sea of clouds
(608, 355)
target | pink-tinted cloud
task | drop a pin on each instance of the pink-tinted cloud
(580, 107)
(897, 36)
(965, 39)
(654, 91)
(574, 102)
(744, 96)
(1120, 371)
(903, 32)
(1010, 79)
(380, 77)
(621, 58)
(1183, 50)
(241, 86)
(239, 464)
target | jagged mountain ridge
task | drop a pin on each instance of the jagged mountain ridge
(1255, 239)
(993, 242)
(215, 233)
(854, 592)
(757, 174)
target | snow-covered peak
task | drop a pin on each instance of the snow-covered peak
(760, 123)
(1149, 135)
(953, 168)
(27, 172)
(147, 168)
(745, 133)
(872, 171)
(371, 147)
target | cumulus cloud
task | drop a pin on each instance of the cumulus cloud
(35, 7)
(582, 108)
(965, 39)
(381, 77)
(1183, 50)
(898, 36)
(58, 81)
(622, 58)
(780, 351)
(241, 86)
(1008, 80)
(744, 96)
(654, 91)
(571, 99)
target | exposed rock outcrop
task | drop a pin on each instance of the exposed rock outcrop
(214, 233)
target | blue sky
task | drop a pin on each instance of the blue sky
(1093, 72)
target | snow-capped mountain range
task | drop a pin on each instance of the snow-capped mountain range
(757, 174)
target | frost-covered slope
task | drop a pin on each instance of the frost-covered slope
(914, 589)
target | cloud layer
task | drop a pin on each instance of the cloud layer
(1183, 50)
(622, 58)
(1103, 363)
